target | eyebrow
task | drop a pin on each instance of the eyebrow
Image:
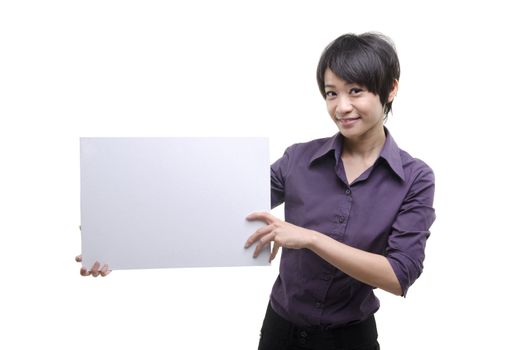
(333, 86)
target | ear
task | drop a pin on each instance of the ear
(393, 91)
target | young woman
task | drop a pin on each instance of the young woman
(357, 209)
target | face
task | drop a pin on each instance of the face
(357, 112)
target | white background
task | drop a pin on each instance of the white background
(224, 68)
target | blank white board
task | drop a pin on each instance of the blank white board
(172, 202)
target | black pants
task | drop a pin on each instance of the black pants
(280, 334)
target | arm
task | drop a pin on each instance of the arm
(278, 171)
(369, 268)
(394, 271)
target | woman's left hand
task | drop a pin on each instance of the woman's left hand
(282, 233)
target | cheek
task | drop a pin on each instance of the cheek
(372, 109)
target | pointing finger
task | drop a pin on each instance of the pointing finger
(258, 234)
(262, 243)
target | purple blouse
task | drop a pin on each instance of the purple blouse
(388, 210)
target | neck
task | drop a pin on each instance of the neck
(366, 146)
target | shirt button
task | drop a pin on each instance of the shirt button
(348, 192)
(341, 219)
(303, 334)
(318, 305)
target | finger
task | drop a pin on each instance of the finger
(274, 251)
(105, 270)
(262, 243)
(262, 216)
(258, 234)
(78, 258)
(95, 269)
(85, 271)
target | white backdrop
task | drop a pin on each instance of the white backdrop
(224, 68)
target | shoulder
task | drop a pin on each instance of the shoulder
(311, 150)
(309, 146)
(415, 168)
(301, 155)
(420, 181)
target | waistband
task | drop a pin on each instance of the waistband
(363, 332)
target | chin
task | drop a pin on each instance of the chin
(352, 132)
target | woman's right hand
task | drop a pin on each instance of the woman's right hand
(96, 269)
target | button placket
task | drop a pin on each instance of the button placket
(341, 218)
(343, 211)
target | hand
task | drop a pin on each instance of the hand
(94, 271)
(282, 233)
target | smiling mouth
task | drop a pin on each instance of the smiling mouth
(347, 121)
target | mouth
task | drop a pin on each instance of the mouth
(348, 121)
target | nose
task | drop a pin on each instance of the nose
(344, 105)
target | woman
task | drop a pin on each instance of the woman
(357, 209)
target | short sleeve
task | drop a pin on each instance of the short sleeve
(278, 178)
(410, 230)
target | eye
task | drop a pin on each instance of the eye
(355, 91)
(330, 94)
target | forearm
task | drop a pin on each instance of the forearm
(369, 268)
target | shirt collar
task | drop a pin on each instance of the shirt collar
(334, 144)
(390, 152)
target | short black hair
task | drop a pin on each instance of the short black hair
(367, 59)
